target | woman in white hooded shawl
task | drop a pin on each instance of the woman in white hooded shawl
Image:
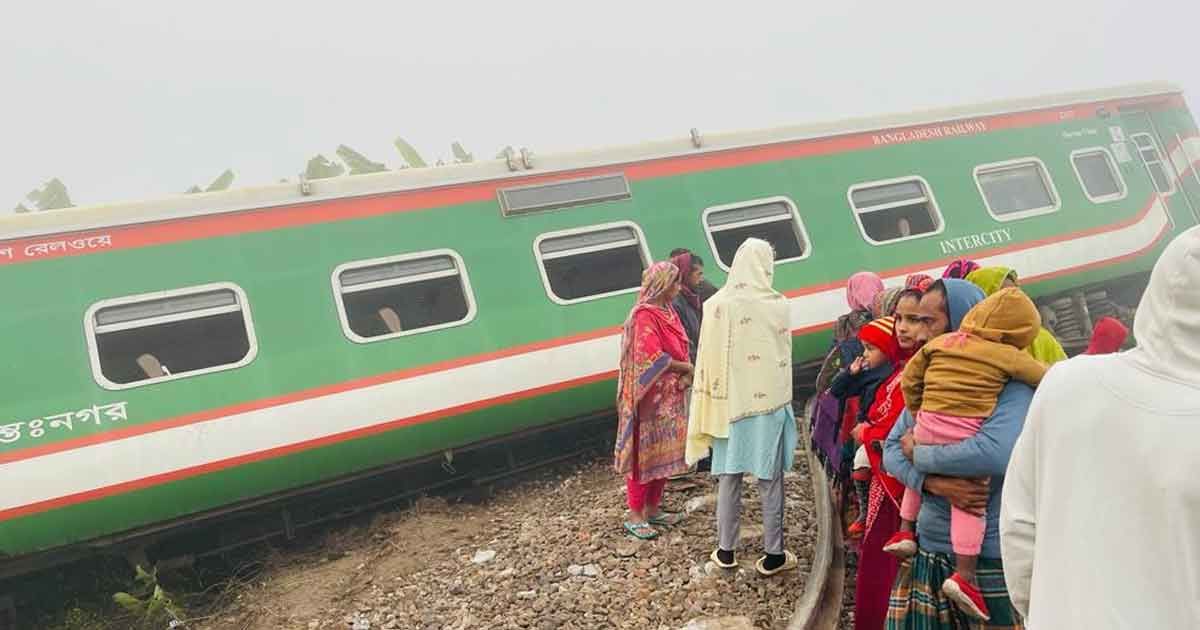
(741, 402)
(1100, 516)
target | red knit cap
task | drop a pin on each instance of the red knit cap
(881, 333)
(1107, 337)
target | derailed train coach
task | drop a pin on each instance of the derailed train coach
(170, 359)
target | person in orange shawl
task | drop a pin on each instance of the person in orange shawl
(651, 400)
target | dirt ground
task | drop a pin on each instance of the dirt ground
(547, 553)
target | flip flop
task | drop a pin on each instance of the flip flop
(641, 531)
(789, 563)
(666, 518)
(716, 559)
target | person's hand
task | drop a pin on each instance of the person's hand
(969, 495)
(857, 432)
(907, 444)
(857, 365)
(685, 382)
(683, 367)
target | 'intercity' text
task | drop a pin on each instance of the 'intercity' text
(975, 241)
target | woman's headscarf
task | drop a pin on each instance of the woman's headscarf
(885, 303)
(1045, 347)
(683, 262)
(960, 268)
(861, 290)
(918, 281)
(991, 279)
(1107, 337)
(744, 367)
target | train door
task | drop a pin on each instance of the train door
(1147, 147)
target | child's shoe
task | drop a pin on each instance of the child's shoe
(903, 545)
(856, 530)
(966, 596)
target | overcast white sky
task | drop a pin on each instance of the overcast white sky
(141, 98)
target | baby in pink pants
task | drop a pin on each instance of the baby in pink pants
(951, 386)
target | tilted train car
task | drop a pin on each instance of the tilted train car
(169, 358)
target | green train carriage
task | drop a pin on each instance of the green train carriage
(170, 358)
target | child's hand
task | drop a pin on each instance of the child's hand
(857, 432)
(857, 365)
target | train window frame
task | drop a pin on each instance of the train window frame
(1161, 158)
(643, 249)
(91, 330)
(930, 197)
(797, 224)
(461, 272)
(1113, 168)
(1047, 180)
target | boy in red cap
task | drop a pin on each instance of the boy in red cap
(861, 379)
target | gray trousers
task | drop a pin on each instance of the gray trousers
(729, 511)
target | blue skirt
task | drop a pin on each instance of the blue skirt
(763, 446)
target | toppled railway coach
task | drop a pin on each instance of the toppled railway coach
(175, 359)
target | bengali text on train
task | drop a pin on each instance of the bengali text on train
(96, 415)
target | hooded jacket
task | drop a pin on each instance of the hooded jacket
(1100, 523)
(1044, 347)
(962, 373)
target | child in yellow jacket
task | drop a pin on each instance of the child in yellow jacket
(951, 386)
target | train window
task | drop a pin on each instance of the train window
(562, 194)
(774, 220)
(592, 262)
(1016, 189)
(1152, 157)
(895, 210)
(169, 335)
(391, 297)
(1098, 174)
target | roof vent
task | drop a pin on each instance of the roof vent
(521, 200)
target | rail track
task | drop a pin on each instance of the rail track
(820, 606)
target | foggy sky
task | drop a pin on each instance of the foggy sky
(140, 99)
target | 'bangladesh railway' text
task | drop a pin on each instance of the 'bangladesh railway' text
(930, 133)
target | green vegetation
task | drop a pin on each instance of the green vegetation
(53, 194)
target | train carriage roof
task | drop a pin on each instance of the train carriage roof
(185, 205)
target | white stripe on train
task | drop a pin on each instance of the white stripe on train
(103, 465)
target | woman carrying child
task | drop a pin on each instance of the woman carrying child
(951, 386)
(967, 475)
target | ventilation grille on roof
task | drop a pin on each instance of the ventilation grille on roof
(562, 194)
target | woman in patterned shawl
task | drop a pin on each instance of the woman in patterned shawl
(651, 400)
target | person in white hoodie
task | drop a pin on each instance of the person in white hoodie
(1100, 515)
